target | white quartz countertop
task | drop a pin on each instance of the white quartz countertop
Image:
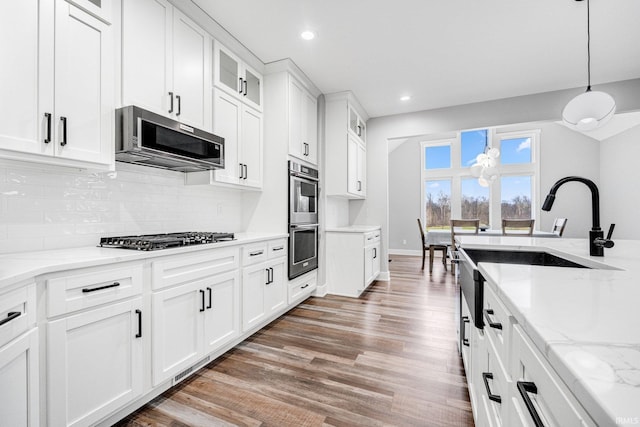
(585, 321)
(15, 268)
(354, 229)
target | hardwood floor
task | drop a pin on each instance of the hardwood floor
(386, 358)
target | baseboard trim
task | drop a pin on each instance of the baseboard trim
(384, 276)
(410, 252)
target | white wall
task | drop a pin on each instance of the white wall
(620, 183)
(42, 207)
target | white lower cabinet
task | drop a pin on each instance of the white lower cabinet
(94, 363)
(19, 402)
(353, 260)
(264, 291)
(301, 287)
(191, 321)
(510, 382)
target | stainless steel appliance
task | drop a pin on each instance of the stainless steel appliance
(303, 194)
(152, 242)
(303, 219)
(149, 139)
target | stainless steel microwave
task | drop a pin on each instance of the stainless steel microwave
(149, 139)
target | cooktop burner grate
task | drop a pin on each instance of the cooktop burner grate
(152, 242)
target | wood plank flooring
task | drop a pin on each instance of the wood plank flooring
(386, 358)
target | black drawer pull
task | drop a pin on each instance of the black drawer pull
(305, 286)
(210, 298)
(99, 288)
(465, 320)
(139, 313)
(279, 248)
(256, 253)
(525, 387)
(494, 325)
(489, 376)
(10, 316)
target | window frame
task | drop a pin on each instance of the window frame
(457, 172)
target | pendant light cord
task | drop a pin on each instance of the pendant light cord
(588, 49)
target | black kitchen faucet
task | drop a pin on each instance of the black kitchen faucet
(597, 242)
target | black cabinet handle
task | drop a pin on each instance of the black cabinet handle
(246, 171)
(179, 105)
(489, 376)
(245, 88)
(139, 313)
(494, 325)
(240, 90)
(375, 253)
(241, 171)
(64, 131)
(279, 248)
(256, 253)
(359, 130)
(10, 316)
(210, 298)
(99, 288)
(47, 116)
(202, 295)
(525, 387)
(170, 102)
(359, 185)
(268, 276)
(306, 285)
(465, 320)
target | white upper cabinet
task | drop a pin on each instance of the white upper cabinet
(58, 90)
(165, 62)
(303, 123)
(236, 77)
(346, 146)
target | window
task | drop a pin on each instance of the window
(438, 203)
(450, 191)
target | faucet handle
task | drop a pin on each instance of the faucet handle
(610, 233)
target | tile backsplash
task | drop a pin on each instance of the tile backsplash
(46, 208)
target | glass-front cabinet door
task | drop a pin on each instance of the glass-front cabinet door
(227, 69)
(356, 124)
(252, 88)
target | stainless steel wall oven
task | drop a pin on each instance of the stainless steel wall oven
(303, 219)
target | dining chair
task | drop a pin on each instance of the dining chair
(432, 249)
(462, 226)
(558, 226)
(520, 227)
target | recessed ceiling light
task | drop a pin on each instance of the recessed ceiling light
(308, 35)
(405, 98)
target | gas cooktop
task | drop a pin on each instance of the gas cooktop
(152, 242)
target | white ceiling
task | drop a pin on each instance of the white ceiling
(442, 53)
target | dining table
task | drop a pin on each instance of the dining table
(443, 236)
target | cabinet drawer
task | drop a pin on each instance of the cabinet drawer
(79, 289)
(177, 269)
(493, 384)
(301, 287)
(371, 237)
(254, 253)
(497, 324)
(17, 312)
(552, 400)
(277, 248)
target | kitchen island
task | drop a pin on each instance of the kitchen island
(584, 322)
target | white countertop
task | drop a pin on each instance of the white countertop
(15, 268)
(354, 229)
(585, 321)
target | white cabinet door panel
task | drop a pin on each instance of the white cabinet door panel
(252, 146)
(221, 322)
(227, 113)
(147, 47)
(276, 291)
(177, 334)
(94, 363)
(19, 402)
(83, 85)
(191, 56)
(254, 281)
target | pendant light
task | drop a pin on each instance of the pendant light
(591, 109)
(485, 167)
